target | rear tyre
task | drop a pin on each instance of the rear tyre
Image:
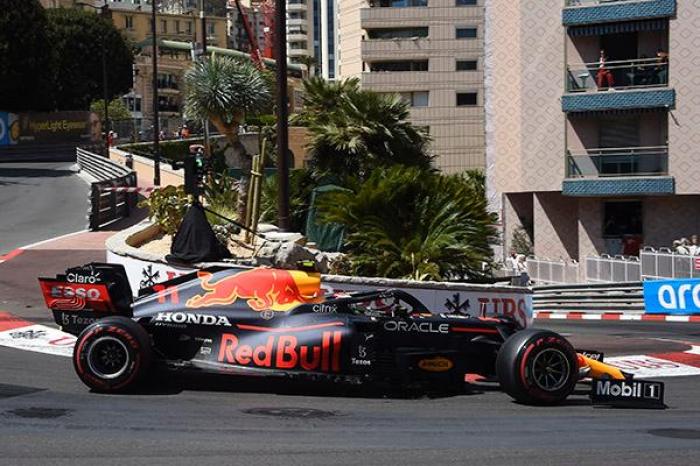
(112, 355)
(537, 367)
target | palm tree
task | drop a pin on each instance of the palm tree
(222, 90)
(354, 131)
(404, 222)
(310, 62)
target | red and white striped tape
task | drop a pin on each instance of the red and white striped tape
(613, 316)
(129, 189)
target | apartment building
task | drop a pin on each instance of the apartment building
(431, 52)
(592, 116)
(133, 18)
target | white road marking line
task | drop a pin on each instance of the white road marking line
(39, 338)
(39, 243)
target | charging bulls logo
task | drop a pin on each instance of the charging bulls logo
(263, 289)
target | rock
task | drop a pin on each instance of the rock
(267, 228)
(282, 236)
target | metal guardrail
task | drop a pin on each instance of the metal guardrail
(665, 263)
(107, 205)
(607, 269)
(622, 161)
(638, 73)
(546, 271)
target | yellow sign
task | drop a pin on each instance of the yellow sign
(436, 364)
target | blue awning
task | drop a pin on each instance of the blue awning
(617, 28)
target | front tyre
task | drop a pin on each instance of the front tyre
(112, 355)
(537, 367)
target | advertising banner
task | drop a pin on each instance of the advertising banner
(9, 129)
(679, 297)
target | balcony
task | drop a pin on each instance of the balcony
(639, 73)
(296, 21)
(632, 99)
(626, 171)
(168, 86)
(583, 12)
(296, 6)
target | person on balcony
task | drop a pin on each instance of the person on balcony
(644, 71)
(661, 68)
(604, 75)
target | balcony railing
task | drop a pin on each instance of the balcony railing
(620, 74)
(596, 2)
(167, 85)
(622, 161)
(397, 3)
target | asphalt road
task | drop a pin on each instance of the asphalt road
(48, 417)
(38, 201)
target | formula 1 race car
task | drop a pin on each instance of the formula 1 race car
(273, 322)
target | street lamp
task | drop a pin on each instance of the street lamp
(156, 125)
(282, 115)
(104, 12)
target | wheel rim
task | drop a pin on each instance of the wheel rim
(550, 369)
(108, 357)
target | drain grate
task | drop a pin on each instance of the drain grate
(304, 413)
(8, 390)
(37, 412)
(688, 434)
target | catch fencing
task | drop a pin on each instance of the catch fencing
(107, 204)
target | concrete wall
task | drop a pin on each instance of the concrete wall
(526, 67)
(556, 231)
(684, 77)
(670, 218)
(590, 228)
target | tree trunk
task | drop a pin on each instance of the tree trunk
(245, 162)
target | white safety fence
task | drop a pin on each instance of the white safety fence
(665, 263)
(548, 271)
(608, 269)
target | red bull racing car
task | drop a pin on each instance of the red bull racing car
(272, 322)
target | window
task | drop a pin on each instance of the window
(466, 65)
(189, 27)
(297, 15)
(465, 2)
(177, 26)
(465, 99)
(129, 22)
(163, 25)
(211, 29)
(465, 33)
(416, 98)
(407, 65)
(298, 45)
(622, 218)
(397, 33)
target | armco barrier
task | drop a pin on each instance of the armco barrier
(107, 204)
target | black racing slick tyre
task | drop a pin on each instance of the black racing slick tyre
(112, 355)
(537, 367)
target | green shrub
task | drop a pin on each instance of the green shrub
(167, 207)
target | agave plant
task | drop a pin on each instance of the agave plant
(222, 90)
(411, 223)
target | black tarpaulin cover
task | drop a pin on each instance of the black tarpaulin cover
(195, 240)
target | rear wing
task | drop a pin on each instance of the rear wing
(85, 293)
